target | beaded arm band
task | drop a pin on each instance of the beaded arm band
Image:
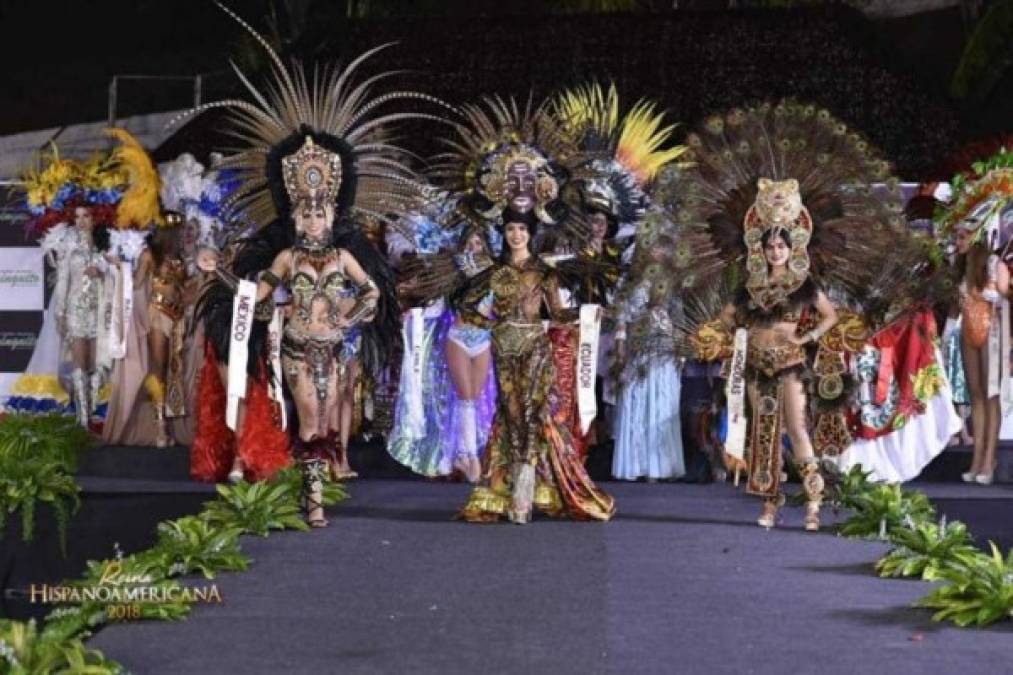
(364, 305)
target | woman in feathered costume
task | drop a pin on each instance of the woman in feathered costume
(513, 169)
(162, 289)
(633, 148)
(73, 206)
(311, 167)
(784, 195)
(447, 393)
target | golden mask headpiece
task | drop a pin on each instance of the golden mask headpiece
(494, 178)
(312, 176)
(778, 207)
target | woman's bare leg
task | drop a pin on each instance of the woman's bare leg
(468, 374)
(994, 421)
(795, 419)
(974, 370)
(314, 426)
(346, 410)
(802, 448)
(154, 382)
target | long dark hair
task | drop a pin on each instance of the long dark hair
(164, 243)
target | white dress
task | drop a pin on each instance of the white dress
(648, 431)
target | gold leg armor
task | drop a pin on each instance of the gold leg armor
(812, 481)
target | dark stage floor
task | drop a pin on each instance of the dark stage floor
(681, 582)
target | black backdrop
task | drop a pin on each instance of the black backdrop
(693, 63)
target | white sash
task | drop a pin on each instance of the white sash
(587, 365)
(735, 392)
(242, 322)
(274, 344)
(998, 357)
(123, 304)
(413, 331)
(106, 320)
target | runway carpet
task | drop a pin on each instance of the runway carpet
(682, 581)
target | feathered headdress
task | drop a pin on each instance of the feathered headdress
(979, 196)
(200, 195)
(860, 249)
(496, 135)
(335, 110)
(59, 184)
(630, 148)
(339, 113)
(139, 208)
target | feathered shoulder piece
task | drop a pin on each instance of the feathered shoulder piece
(340, 113)
(501, 149)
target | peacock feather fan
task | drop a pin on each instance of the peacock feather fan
(862, 252)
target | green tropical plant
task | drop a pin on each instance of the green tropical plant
(925, 549)
(38, 455)
(26, 651)
(55, 436)
(256, 508)
(979, 590)
(883, 509)
(24, 484)
(192, 544)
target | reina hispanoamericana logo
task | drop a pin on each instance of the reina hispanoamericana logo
(124, 594)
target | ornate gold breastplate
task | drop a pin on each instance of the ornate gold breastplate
(310, 283)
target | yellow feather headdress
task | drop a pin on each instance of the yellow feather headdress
(139, 207)
(631, 148)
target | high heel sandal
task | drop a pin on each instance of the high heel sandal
(338, 453)
(768, 518)
(312, 487)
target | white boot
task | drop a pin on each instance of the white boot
(95, 387)
(81, 404)
(466, 459)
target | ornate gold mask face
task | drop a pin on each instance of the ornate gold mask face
(518, 177)
(520, 186)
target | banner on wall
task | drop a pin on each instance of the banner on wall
(22, 279)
